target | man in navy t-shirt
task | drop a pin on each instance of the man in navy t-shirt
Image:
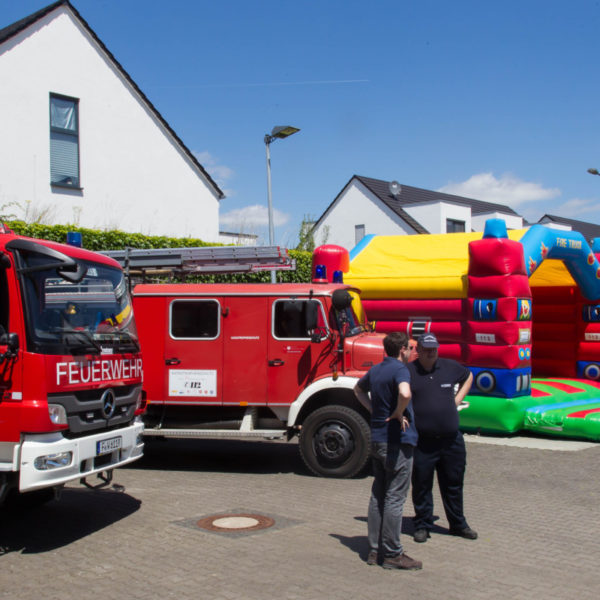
(393, 438)
(438, 387)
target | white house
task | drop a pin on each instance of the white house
(589, 231)
(372, 206)
(81, 143)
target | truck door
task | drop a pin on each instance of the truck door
(194, 352)
(293, 360)
(245, 338)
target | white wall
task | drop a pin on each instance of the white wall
(133, 176)
(433, 215)
(512, 221)
(357, 205)
(553, 225)
(237, 239)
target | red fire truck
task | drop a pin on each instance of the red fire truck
(70, 367)
(253, 360)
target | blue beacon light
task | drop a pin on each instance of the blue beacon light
(320, 274)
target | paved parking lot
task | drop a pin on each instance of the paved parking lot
(536, 510)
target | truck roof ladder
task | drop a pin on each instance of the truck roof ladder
(142, 262)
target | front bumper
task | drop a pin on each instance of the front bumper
(84, 460)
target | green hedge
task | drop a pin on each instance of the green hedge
(119, 240)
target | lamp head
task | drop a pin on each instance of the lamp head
(283, 131)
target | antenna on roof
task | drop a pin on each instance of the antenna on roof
(395, 188)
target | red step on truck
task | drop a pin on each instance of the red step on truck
(253, 360)
(70, 367)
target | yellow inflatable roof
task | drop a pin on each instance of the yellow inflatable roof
(428, 266)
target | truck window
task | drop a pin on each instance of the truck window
(195, 319)
(289, 319)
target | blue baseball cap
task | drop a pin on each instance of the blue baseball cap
(428, 340)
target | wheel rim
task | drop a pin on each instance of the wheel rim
(333, 443)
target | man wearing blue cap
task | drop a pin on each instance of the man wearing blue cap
(438, 387)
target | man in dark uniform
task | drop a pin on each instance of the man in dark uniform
(438, 387)
(393, 437)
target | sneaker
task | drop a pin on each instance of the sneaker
(467, 533)
(402, 561)
(372, 557)
(421, 535)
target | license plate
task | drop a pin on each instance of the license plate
(107, 446)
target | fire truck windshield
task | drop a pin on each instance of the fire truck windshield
(90, 316)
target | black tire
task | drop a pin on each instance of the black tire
(335, 442)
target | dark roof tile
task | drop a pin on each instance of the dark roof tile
(588, 230)
(414, 195)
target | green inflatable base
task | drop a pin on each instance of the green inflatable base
(557, 407)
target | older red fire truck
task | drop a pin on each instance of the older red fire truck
(70, 366)
(253, 360)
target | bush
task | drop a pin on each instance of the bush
(119, 240)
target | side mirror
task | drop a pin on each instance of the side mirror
(13, 343)
(341, 299)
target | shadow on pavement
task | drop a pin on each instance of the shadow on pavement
(224, 456)
(78, 513)
(359, 543)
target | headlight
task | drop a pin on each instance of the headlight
(53, 461)
(140, 403)
(57, 413)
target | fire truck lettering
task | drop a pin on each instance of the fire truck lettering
(85, 373)
(73, 372)
(60, 371)
(117, 369)
(105, 370)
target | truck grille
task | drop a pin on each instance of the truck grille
(85, 409)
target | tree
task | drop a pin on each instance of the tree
(306, 239)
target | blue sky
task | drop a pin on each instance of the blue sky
(495, 101)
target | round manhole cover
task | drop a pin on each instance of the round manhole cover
(235, 522)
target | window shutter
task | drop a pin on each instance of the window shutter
(64, 164)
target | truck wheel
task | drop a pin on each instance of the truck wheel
(334, 442)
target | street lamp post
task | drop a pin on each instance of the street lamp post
(277, 133)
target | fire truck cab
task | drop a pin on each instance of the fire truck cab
(70, 366)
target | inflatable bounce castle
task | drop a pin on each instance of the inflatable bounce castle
(520, 308)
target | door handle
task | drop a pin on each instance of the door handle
(276, 363)
(172, 361)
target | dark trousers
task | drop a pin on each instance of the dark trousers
(447, 457)
(392, 465)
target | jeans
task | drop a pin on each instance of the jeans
(447, 457)
(392, 465)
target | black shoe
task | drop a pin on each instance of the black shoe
(421, 535)
(467, 533)
(372, 557)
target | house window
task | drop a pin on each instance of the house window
(454, 226)
(359, 233)
(64, 141)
